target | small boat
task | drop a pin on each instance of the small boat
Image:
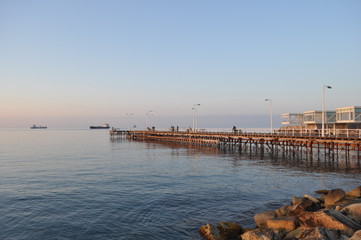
(103, 126)
(38, 127)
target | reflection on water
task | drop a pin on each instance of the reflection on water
(79, 185)
(319, 162)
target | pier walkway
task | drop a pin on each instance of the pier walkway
(273, 143)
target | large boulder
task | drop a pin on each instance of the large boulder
(263, 234)
(305, 205)
(286, 223)
(261, 218)
(356, 236)
(223, 231)
(329, 219)
(355, 192)
(334, 196)
(353, 212)
(315, 233)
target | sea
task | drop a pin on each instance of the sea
(82, 184)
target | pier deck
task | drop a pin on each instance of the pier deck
(311, 145)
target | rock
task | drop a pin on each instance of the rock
(263, 234)
(230, 230)
(338, 208)
(329, 219)
(353, 212)
(261, 218)
(283, 211)
(356, 236)
(294, 234)
(334, 196)
(324, 192)
(312, 199)
(209, 231)
(224, 231)
(286, 223)
(343, 219)
(305, 205)
(296, 200)
(355, 192)
(343, 237)
(316, 233)
(248, 229)
(344, 203)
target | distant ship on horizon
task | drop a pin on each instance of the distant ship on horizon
(103, 126)
(38, 127)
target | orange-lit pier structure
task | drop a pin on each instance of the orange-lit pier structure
(330, 147)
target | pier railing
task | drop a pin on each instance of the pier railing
(335, 133)
(329, 133)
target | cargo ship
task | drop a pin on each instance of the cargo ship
(103, 126)
(38, 127)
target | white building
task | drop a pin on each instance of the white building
(348, 114)
(342, 118)
(292, 118)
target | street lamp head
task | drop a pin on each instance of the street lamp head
(326, 86)
(267, 100)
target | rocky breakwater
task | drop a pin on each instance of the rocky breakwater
(335, 215)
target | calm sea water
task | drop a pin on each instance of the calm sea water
(79, 184)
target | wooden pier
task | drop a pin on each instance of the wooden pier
(310, 146)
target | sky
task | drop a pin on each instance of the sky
(72, 64)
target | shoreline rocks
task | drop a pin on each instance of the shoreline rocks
(336, 215)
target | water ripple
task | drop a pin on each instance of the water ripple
(78, 185)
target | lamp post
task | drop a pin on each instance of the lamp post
(197, 117)
(129, 114)
(323, 108)
(271, 113)
(195, 120)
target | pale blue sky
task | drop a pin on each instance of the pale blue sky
(75, 63)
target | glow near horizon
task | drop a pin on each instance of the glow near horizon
(70, 63)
